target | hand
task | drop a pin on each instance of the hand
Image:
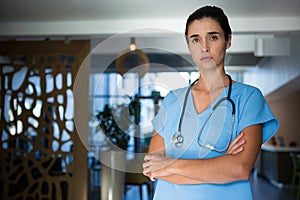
(156, 165)
(236, 146)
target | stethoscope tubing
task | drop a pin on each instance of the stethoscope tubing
(179, 137)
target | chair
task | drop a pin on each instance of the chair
(136, 177)
(296, 174)
(139, 179)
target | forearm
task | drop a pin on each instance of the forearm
(222, 169)
(179, 179)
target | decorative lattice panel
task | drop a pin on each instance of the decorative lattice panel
(37, 123)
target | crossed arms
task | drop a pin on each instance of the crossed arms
(235, 165)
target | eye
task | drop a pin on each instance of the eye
(213, 37)
(194, 40)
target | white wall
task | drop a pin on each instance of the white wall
(275, 72)
(278, 78)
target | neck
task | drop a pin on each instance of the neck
(212, 81)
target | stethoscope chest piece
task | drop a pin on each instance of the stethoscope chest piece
(178, 139)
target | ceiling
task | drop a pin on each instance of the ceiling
(157, 25)
(86, 10)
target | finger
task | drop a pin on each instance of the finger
(147, 170)
(146, 165)
(239, 144)
(147, 158)
(147, 174)
(235, 141)
(152, 178)
(236, 148)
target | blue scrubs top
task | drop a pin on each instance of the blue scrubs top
(251, 108)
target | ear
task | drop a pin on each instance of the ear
(228, 42)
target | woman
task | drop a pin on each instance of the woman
(189, 152)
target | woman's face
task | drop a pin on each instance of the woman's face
(207, 44)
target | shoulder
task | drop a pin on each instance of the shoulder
(175, 95)
(242, 89)
(247, 96)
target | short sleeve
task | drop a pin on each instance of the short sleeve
(255, 110)
(159, 120)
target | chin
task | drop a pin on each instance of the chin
(207, 65)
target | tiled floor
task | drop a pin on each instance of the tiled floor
(261, 188)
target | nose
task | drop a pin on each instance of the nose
(204, 46)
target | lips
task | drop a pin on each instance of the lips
(206, 58)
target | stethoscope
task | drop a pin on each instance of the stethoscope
(178, 138)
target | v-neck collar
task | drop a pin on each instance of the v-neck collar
(209, 108)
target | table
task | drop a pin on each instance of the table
(276, 164)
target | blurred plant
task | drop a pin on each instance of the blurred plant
(118, 122)
(115, 125)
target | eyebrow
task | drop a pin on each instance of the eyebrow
(209, 33)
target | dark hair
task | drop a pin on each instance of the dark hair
(214, 13)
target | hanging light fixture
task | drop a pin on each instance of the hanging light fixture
(132, 59)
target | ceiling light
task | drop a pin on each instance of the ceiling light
(132, 60)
